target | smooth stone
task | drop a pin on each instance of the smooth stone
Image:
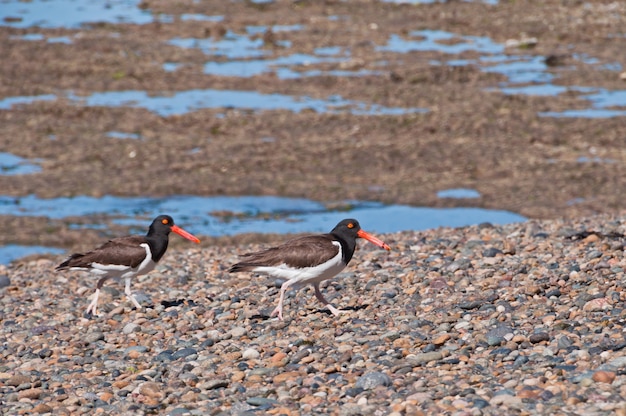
(539, 337)
(250, 354)
(460, 264)
(261, 402)
(238, 332)
(131, 327)
(17, 379)
(373, 379)
(520, 360)
(619, 362)
(425, 358)
(179, 411)
(505, 399)
(213, 384)
(594, 254)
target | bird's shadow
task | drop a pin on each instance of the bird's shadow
(176, 302)
(347, 308)
(265, 315)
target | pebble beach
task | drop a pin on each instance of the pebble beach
(525, 318)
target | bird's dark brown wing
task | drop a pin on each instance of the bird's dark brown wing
(300, 252)
(125, 251)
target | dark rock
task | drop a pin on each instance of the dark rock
(354, 391)
(4, 281)
(166, 355)
(501, 351)
(461, 264)
(553, 292)
(480, 403)
(539, 337)
(491, 252)
(520, 360)
(564, 342)
(594, 254)
(472, 304)
(216, 384)
(182, 353)
(566, 367)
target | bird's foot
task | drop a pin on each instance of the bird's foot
(92, 309)
(277, 311)
(134, 301)
(334, 310)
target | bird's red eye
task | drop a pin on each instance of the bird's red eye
(165, 221)
(350, 225)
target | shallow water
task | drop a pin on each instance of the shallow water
(181, 102)
(269, 214)
(122, 136)
(12, 252)
(602, 101)
(459, 193)
(218, 216)
(11, 164)
(71, 13)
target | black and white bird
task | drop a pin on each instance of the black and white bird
(126, 257)
(308, 259)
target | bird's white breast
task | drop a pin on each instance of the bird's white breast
(122, 271)
(305, 275)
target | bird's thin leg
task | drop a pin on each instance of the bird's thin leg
(279, 309)
(93, 306)
(320, 297)
(130, 295)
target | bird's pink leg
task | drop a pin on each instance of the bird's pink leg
(92, 308)
(279, 309)
(320, 297)
(130, 295)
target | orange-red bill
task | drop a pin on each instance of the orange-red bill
(380, 243)
(185, 234)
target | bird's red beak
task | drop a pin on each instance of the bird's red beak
(380, 243)
(185, 234)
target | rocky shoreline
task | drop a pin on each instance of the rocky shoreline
(519, 319)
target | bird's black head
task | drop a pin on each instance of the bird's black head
(164, 224)
(161, 225)
(349, 226)
(350, 229)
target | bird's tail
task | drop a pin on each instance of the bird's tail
(242, 267)
(68, 262)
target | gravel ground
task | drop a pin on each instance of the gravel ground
(519, 319)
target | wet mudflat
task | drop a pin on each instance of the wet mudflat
(367, 101)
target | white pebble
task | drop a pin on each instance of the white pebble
(250, 354)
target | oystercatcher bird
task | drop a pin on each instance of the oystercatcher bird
(308, 259)
(126, 257)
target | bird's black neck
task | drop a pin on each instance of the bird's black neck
(348, 246)
(158, 245)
